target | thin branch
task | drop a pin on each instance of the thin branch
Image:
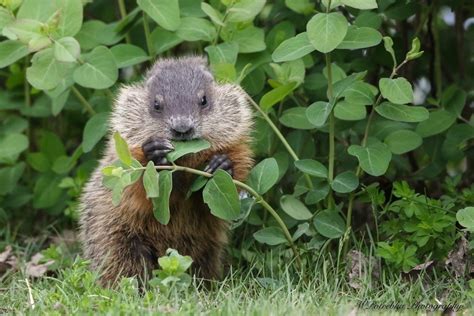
(123, 14)
(258, 199)
(146, 28)
(83, 101)
(280, 136)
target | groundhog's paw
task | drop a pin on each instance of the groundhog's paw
(155, 149)
(219, 162)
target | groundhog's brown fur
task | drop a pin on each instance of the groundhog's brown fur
(126, 240)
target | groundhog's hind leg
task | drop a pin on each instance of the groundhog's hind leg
(122, 254)
(207, 260)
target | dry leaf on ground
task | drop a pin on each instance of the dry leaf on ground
(36, 268)
(7, 260)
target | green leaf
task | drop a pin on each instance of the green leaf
(360, 93)
(244, 10)
(465, 217)
(388, 44)
(438, 122)
(64, 16)
(326, 31)
(161, 204)
(46, 72)
(317, 194)
(196, 29)
(402, 113)
(11, 51)
(187, 147)
(121, 148)
(270, 235)
(368, 19)
(295, 208)
(213, 14)
(163, 12)
(24, 30)
(403, 141)
(127, 55)
(9, 177)
(414, 52)
(276, 95)
(11, 145)
(312, 167)
(293, 48)
(360, 4)
(96, 128)
(453, 100)
(250, 39)
(360, 37)
(343, 84)
(99, 70)
(6, 17)
(345, 182)
(47, 191)
(329, 224)
(300, 6)
(398, 91)
(51, 145)
(296, 118)
(350, 111)
(224, 53)
(94, 33)
(220, 194)
(150, 181)
(318, 112)
(374, 158)
(67, 49)
(264, 175)
(38, 161)
(191, 8)
(164, 40)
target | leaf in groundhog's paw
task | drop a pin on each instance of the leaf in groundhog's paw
(187, 147)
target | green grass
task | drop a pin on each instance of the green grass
(267, 287)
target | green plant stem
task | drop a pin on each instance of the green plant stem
(83, 101)
(332, 154)
(219, 28)
(123, 14)
(258, 199)
(280, 136)
(363, 144)
(146, 28)
(437, 51)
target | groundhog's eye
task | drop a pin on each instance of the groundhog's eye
(204, 101)
(157, 105)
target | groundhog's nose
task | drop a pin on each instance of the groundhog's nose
(182, 131)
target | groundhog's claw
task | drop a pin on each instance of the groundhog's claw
(155, 149)
(219, 162)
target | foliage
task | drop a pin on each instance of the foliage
(172, 275)
(417, 227)
(340, 106)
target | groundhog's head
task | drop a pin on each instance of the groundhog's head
(180, 100)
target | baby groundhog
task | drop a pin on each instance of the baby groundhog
(177, 100)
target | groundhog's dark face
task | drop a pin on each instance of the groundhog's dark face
(180, 95)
